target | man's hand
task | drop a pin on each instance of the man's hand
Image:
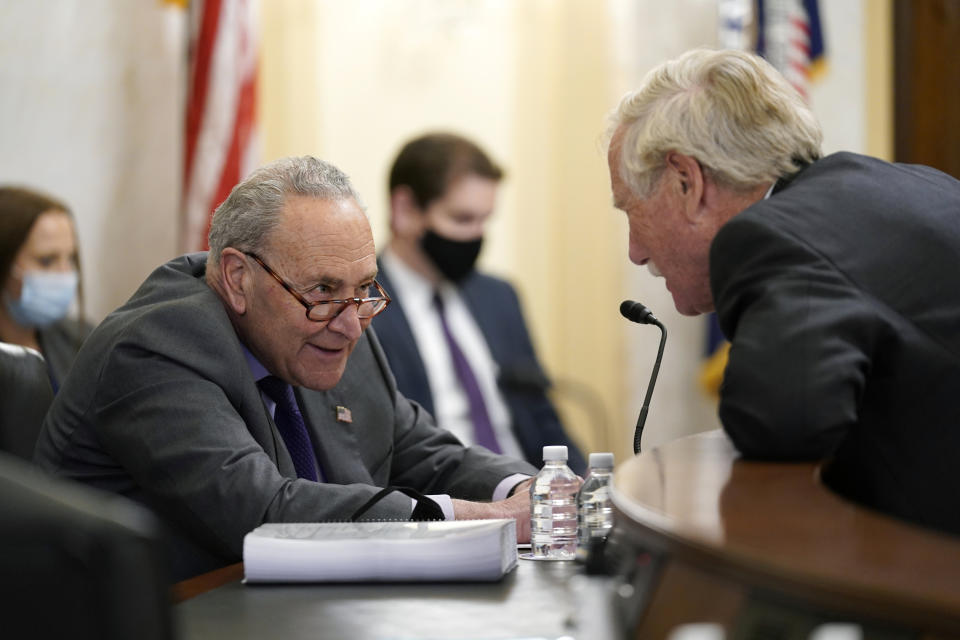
(516, 506)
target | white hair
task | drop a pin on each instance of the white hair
(730, 110)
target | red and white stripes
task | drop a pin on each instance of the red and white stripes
(793, 41)
(221, 145)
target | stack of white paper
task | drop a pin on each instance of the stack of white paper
(462, 550)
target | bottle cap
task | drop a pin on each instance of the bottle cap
(601, 460)
(555, 452)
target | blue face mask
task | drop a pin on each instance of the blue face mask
(46, 297)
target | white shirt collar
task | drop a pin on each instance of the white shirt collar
(770, 190)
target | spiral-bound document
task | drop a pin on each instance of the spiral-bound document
(394, 551)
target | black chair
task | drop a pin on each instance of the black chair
(25, 396)
(76, 563)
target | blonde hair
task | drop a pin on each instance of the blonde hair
(730, 110)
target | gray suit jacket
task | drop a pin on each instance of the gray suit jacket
(161, 406)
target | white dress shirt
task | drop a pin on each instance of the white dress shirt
(451, 407)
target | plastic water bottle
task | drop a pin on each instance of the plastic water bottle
(594, 511)
(553, 507)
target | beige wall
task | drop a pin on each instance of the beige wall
(878, 77)
(92, 111)
(533, 81)
(646, 34)
(520, 77)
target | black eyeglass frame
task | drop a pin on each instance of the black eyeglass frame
(310, 306)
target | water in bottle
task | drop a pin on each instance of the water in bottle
(553, 508)
(594, 511)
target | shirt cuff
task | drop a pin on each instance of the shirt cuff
(507, 484)
(500, 493)
(445, 502)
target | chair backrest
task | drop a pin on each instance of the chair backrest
(25, 397)
(77, 563)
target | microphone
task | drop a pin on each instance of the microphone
(636, 312)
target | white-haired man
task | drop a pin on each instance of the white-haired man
(835, 278)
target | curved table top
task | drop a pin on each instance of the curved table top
(775, 524)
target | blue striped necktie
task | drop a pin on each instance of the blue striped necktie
(292, 428)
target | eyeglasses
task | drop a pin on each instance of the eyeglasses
(325, 310)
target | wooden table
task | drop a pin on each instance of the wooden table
(548, 600)
(756, 545)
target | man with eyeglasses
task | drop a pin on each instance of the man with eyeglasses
(240, 386)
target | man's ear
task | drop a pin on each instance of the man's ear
(235, 277)
(406, 216)
(688, 180)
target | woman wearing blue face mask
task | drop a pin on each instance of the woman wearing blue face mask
(40, 276)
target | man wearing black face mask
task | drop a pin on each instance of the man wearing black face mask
(456, 338)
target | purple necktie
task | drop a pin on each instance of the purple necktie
(482, 428)
(290, 423)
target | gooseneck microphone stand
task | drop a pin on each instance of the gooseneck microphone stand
(636, 312)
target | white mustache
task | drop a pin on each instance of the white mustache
(653, 270)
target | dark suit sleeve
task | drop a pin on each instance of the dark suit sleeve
(801, 337)
(430, 458)
(524, 384)
(187, 461)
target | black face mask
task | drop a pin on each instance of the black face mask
(454, 258)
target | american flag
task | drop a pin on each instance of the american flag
(790, 37)
(221, 138)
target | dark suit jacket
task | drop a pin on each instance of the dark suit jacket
(161, 406)
(841, 297)
(523, 383)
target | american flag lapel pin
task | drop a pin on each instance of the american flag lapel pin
(343, 414)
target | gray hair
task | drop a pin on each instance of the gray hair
(731, 110)
(250, 213)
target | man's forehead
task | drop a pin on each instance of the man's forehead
(316, 209)
(616, 142)
(333, 269)
(331, 239)
(613, 157)
(303, 217)
(621, 193)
